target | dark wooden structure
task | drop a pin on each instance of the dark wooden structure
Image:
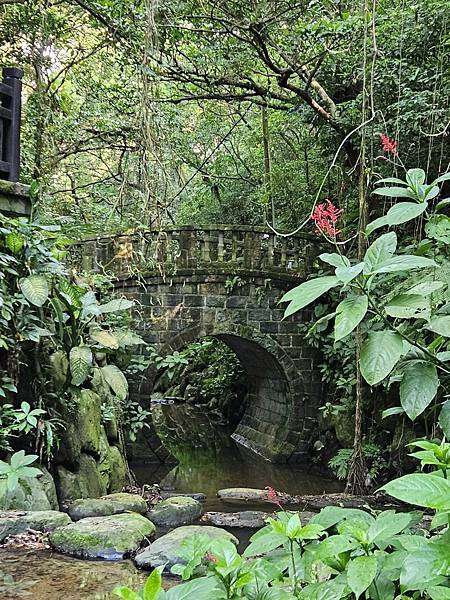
(10, 110)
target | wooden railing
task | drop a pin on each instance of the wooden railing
(10, 109)
(216, 247)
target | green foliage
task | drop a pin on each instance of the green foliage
(18, 467)
(399, 343)
(341, 553)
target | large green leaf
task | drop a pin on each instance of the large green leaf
(14, 242)
(440, 325)
(407, 306)
(426, 288)
(386, 525)
(379, 355)
(404, 262)
(418, 387)
(347, 274)
(80, 362)
(393, 192)
(307, 292)
(379, 251)
(415, 177)
(349, 313)
(202, 588)
(116, 380)
(444, 418)
(361, 572)
(376, 224)
(427, 490)
(35, 289)
(153, 585)
(116, 305)
(105, 339)
(402, 212)
(335, 259)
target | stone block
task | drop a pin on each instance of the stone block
(215, 301)
(269, 327)
(236, 302)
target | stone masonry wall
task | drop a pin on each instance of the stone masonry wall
(285, 386)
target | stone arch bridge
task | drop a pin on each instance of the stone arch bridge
(226, 282)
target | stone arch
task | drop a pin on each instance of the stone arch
(266, 425)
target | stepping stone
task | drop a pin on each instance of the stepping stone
(252, 519)
(235, 495)
(196, 495)
(14, 522)
(111, 538)
(176, 511)
(112, 504)
(166, 549)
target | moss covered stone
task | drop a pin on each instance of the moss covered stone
(179, 510)
(15, 522)
(111, 504)
(111, 538)
(32, 493)
(119, 471)
(166, 549)
(89, 421)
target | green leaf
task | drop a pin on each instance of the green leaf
(442, 204)
(442, 178)
(402, 212)
(361, 572)
(438, 228)
(126, 593)
(35, 289)
(386, 525)
(379, 251)
(415, 177)
(404, 262)
(444, 418)
(393, 192)
(427, 490)
(376, 224)
(202, 588)
(418, 387)
(14, 242)
(439, 592)
(406, 306)
(395, 410)
(105, 339)
(347, 274)
(426, 288)
(80, 362)
(116, 305)
(116, 380)
(379, 355)
(440, 325)
(349, 313)
(153, 585)
(391, 180)
(335, 259)
(307, 292)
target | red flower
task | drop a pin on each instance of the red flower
(210, 557)
(325, 216)
(389, 146)
(272, 496)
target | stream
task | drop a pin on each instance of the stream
(215, 462)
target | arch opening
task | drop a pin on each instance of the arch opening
(254, 408)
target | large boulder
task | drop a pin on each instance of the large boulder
(84, 483)
(238, 495)
(31, 493)
(119, 472)
(15, 522)
(166, 549)
(111, 504)
(89, 421)
(110, 538)
(249, 519)
(175, 511)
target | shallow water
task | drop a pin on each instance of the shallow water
(214, 462)
(45, 575)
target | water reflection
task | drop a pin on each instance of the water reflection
(209, 460)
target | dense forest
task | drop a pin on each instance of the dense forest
(239, 227)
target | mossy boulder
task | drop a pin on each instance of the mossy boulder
(110, 538)
(85, 483)
(119, 472)
(179, 510)
(111, 504)
(166, 549)
(15, 522)
(32, 493)
(89, 421)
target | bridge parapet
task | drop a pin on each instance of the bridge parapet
(214, 247)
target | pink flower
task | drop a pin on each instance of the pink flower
(272, 496)
(210, 557)
(325, 216)
(389, 146)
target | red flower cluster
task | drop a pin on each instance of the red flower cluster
(389, 146)
(272, 496)
(325, 216)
